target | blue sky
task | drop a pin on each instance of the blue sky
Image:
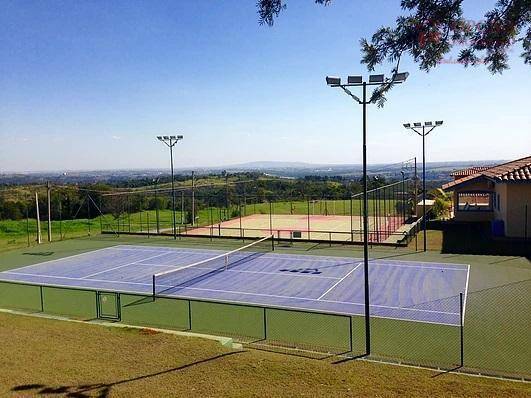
(88, 85)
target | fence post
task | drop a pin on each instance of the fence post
(189, 315)
(350, 335)
(27, 221)
(100, 217)
(351, 220)
(309, 218)
(461, 329)
(147, 216)
(265, 323)
(270, 217)
(42, 299)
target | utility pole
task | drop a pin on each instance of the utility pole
(156, 181)
(356, 81)
(416, 187)
(182, 208)
(48, 195)
(170, 142)
(423, 134)
(39, 236)
(403, 196)
(227, 195)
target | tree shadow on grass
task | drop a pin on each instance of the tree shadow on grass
(102, 390)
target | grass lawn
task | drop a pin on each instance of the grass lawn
(43, 356)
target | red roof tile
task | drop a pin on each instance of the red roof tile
(515, 171)
(469, 171)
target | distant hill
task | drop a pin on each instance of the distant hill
(435, 171)
(271, 164)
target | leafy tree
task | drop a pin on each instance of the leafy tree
(442, 204)
(430, 31)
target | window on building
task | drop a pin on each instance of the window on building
(475, 201)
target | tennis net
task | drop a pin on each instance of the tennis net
(187, 275)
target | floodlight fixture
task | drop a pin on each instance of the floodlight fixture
(179, 137)
(400, 77)
(333, 80)
(376, 78)
(159, 137)
(428, 124)
(407, 125)
(439, 123)
(417, 124)
(355, 79)
(165, 137)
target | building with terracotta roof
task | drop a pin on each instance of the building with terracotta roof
(500, 194)
(458, 174)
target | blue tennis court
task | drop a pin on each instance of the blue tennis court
(406, 290)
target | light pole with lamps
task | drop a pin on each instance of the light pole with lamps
(355, 81)
(430, 126)
(170, 142)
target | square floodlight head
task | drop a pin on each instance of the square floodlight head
(428, 124)
(333, 80)
(416, 124)
(407, 125)
(172, 137)
(165, 137)
(159, 137)
(439, 123)
(179, 137)
(400, 77)
(355, 79)
(376, 78)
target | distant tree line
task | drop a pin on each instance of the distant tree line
(92, 200)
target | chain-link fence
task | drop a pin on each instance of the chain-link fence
(210, 213)
(493, 339)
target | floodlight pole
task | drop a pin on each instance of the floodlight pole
(423, 134)
(403, 195)
(358, 81)
(156, 181)
(170, 142)
(366, 227)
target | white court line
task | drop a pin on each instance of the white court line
(120, 266)
(278, 273)
(339, 281)
(302, 257)
(232, 292)
(418, 266)
(316, 259)
(466, 294)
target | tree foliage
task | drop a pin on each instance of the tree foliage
(432, 28)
